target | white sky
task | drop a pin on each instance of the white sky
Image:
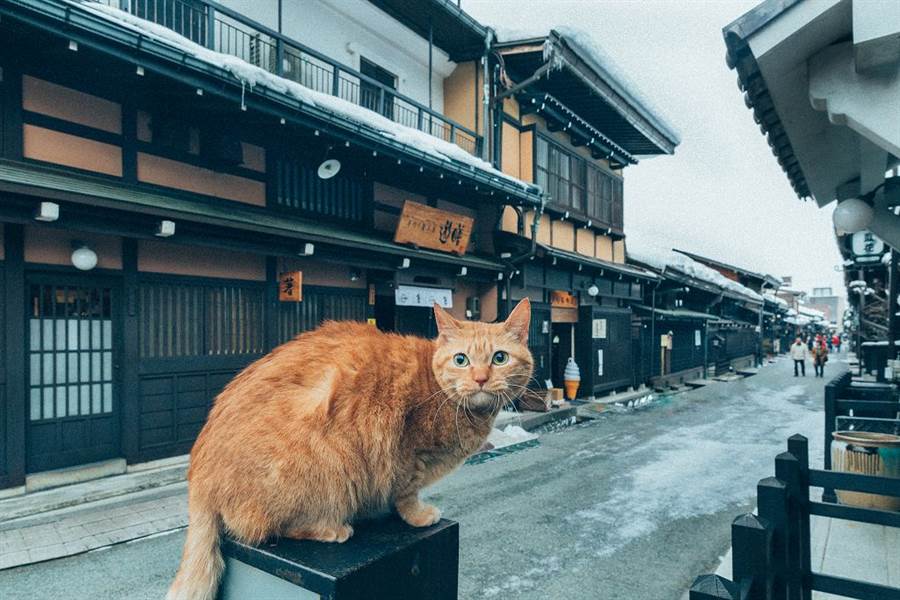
(722, 194)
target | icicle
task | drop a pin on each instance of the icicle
(243, 101)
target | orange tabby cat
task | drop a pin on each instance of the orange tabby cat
(340, 423)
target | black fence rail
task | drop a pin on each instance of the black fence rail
(772, 551)
(845, 397)
(227, 31)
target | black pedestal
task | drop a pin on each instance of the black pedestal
(384, 559)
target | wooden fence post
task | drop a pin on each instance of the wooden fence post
(787, 469)
(714, 587)
(799, 447)
(828, 494)
(751, 542)
(772, 500)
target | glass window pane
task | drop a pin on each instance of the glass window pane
(107, 397)
(48, 334)
(73, 367)
(60, 325)
(85, 370)
(48, 402)
(107, 366)
(96, 366)
(542, 159)
(48, 368)
(60, 367)
(107, 334)
(61, 405)
(73, 334)
(84, 335)
(84, 397)
(35, 412)
(35, 369)
(73, 400)
(96, 339)
(34, 329)
(96, 398)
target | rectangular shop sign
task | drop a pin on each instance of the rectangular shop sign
(598, 329)
(290, 286)
(563, 299)
(697, 339)
(428, 227)
(412, 295)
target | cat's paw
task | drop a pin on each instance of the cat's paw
(423, 515)
(339, 534)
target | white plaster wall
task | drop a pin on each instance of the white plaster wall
(344, 30)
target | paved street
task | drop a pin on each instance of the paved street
(630, 506)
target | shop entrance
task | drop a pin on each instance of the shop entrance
(72, 404)
(563, 346)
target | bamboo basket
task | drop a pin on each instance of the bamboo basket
(868, 454)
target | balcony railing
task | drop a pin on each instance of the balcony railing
(226, 31)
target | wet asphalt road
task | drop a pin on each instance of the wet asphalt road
(630, 506)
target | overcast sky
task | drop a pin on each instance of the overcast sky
(722, 194)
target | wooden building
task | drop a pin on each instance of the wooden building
(564, 122)
(169, 208)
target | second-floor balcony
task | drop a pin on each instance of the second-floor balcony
(226, 31)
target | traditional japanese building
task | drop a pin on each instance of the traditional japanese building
(186, 184)
(565, 122)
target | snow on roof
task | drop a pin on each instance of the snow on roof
(600, 60)
(251, 76)
(812, 312)
(663, 259)
(777, 300)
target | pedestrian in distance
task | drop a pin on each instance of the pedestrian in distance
(820, 357)
(836, 342)
(799, 352)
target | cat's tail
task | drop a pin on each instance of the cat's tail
(201, 563)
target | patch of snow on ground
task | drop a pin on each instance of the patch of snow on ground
(691, 471)
(525, 580)
(512, 434)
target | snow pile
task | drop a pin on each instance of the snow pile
(663, 259)
(777, 300)
(251, 76)
(512, 434)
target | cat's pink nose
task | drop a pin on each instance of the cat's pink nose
(480, 380)
(480, 375)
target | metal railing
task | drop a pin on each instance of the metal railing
(772, 551)
(223, 30)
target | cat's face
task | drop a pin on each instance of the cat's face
(483, 365)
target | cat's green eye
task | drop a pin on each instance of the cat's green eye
(460, 360)
(500, 358)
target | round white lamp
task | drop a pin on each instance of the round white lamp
(852, 215)
(83, 258)
(593, 290)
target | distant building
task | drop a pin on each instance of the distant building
(823, 299)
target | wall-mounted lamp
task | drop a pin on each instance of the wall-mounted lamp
(139, 71)
(165, 229)
(462, 271)
(73, 45)
(506, 255)
(355, 275)
(329, 166)
(308, 250)
(593, 290)
(404, 264)
(47, 212)
(83, 258)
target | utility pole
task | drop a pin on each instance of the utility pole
(893, 291)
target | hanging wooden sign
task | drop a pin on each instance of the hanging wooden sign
(563, 299)
(290, 286)
(433, 228)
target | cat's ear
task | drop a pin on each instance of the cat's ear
(445, 322)
(519, 319)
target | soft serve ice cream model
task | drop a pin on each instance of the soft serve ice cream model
(571, 378)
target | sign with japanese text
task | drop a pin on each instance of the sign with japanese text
(290, 286)
(412, 295)
(563, 299)
(598, 329)
(433, 228)
(867, 247)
